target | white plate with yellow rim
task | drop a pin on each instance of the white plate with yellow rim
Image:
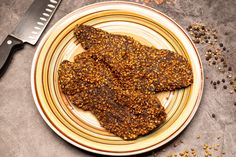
(81, 128)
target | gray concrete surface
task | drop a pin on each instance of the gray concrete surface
(23, 133)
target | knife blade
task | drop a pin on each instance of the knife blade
(29, 29)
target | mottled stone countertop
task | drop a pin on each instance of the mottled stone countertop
(23, 133)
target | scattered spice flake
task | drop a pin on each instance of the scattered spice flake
(214, 55)
(205, 146)
(146, 1)
(159, 1)
(181, 154)
(215, 148)
(225, 87)
(213, 115)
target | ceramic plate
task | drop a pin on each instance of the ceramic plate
(80, 128)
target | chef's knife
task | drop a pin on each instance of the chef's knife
(29, 28)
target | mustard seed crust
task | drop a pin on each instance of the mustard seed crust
(137, 67)
(92, 87)
(117, 78)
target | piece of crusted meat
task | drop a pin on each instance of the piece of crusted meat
(91, 86)
(136, 66)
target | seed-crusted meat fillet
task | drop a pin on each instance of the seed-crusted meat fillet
(92, 86)
(137, 67)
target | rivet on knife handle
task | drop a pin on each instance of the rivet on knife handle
(7, 47)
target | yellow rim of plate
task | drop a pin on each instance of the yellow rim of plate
(55, 109)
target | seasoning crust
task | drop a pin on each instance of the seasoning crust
(92, 87)
(138, 67)
(117, 78)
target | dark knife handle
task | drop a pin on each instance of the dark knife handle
(9, 45)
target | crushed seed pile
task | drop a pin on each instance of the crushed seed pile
(117, 79)
(208, 150)
(214, 55)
